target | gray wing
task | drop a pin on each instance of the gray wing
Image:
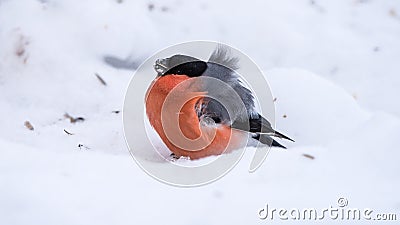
(222, 66)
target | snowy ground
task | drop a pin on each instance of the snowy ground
(333, 67)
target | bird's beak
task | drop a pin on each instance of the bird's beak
(160, 66)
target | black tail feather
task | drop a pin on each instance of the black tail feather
(276, 144)
(279, 135)
(265, 139)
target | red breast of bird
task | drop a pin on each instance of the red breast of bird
(185, 136)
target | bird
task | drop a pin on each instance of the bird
(194, 125)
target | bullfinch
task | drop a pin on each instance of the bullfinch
(191, 105)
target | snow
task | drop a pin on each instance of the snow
(333, 67)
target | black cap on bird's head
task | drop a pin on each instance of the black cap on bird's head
(190, 66)
(180, 65)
